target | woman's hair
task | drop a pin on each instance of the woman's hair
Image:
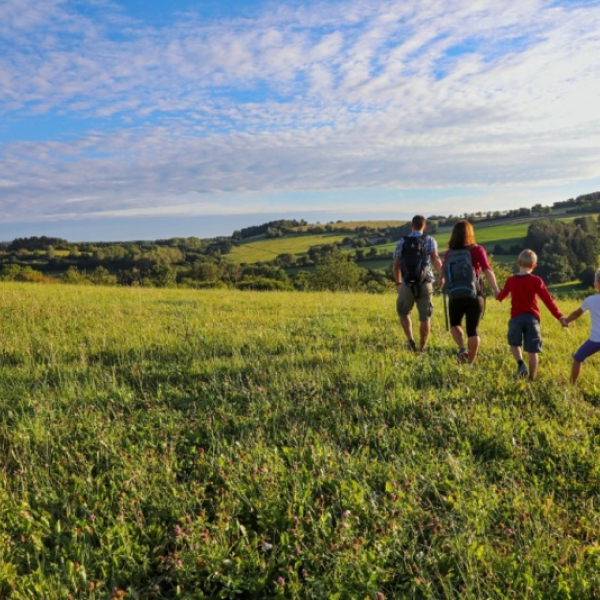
(462, 235)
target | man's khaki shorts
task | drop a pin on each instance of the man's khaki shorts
(406, 301)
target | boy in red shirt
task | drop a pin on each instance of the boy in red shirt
(524, 325)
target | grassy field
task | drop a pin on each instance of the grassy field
(214, 444)
(262, 249)
(268, 249)
(487, 236)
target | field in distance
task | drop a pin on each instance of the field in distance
(218, 444)
(260, 248)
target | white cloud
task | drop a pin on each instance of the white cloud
(409, 94)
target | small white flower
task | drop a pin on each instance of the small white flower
(266, 547)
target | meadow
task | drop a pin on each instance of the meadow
(223, 444)
(260, 248)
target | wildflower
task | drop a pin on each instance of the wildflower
(280, 581)
(178, 531)
(380, 596)
(346, 514)
(92, 517)
(266, 547)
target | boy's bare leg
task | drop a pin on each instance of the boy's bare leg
(533, 365)
(424, 330)
(517, 353)
(473, 345)
(575, 370)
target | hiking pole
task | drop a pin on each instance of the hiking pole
(445, 311)
(482, 289)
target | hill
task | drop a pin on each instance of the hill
(286, 254)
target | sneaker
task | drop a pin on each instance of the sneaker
(412, 346)
(522, 370)
(463, 355)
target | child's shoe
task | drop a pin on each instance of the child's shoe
(522, 370)
(412, 346)
(463, 355)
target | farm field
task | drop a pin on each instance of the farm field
(221, 444)
(268, 249)
(487, 236)
(262, 249)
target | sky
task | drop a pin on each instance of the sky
(149, 119)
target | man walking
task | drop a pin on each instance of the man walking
(413, 257)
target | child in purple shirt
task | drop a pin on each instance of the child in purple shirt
(592, 344)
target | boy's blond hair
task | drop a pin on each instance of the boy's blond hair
(527, 259)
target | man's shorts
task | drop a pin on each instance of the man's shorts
(406, 301)
(586, 350)
(524, 330)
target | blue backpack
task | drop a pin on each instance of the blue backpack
(459, 273)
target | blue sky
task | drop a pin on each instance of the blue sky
(140, 119)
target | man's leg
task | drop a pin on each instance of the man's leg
(424, 331)
(406, 326)
(425, 308)
(404, 305)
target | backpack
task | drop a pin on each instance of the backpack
(459, 273)
(414, 260)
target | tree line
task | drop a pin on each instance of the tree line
(566, 251)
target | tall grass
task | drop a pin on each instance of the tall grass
(218, 444)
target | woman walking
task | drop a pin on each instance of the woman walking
(464, 262)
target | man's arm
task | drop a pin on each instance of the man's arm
(436, 262)
(397, 272)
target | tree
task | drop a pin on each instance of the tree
(336, 273)
(587, 276)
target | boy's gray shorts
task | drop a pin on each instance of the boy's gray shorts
(406, 301)
(525, 331)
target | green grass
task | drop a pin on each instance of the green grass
(269, 249)
(216, 444)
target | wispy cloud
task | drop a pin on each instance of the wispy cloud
(315, 97)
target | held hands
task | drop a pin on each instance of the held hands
(496, 293)
(564, 322)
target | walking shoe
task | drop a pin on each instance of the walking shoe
(522, 370)
(412, 346)
(463, 355)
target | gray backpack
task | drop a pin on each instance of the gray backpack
(459, 273)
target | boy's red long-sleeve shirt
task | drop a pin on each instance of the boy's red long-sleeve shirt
(524, 290)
